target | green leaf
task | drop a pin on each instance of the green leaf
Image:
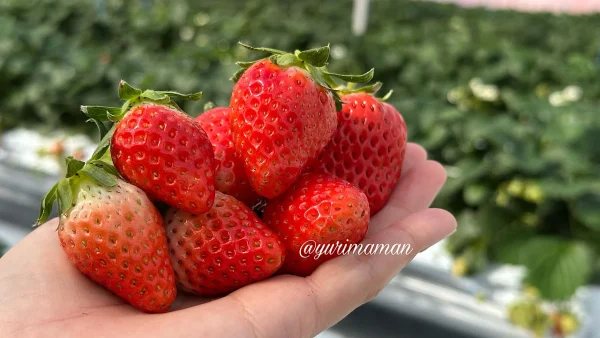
(334, 86)
(100, 175)
(387, 96)
(317, 56)
(101, 127)
(560, 188)
(285, 60)
(104, 144)
(192, 96)
(46, 205)
(127, 92)
(338, 101)
(557, 266)
(237, 75)
(100, 113)
(73, 165)
(245, 64)
(374, 88)
(509, 246)
(106, 166)
(362, 78)
(370, 89)
(106, 157)
(65, 196)
(465, 171)
(318, 76)
(468, 232)
(475, 194)
(112, 117)
(586, 208)
(262, 49)
(153, 95)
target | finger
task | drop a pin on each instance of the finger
(414, 155)
(289, 306)
(185, 300)
(415, 192)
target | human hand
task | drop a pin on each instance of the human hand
(43, 294)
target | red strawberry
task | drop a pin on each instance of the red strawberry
(230, 176)
(367, 148)
(160, 149)
(283, 114)
(112, 233)
(222, 250)
(319, 208)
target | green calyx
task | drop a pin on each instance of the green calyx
(99, 168)
(133, 97)
(312, 60)
(350, 88)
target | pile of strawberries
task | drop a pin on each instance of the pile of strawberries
(296, 157)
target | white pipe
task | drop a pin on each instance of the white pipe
(360, 16)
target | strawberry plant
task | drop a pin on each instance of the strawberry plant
(421, 51)
(524, 187)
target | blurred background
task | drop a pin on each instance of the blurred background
(507, 100)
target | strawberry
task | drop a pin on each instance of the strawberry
(367, 148)
(222, 250)
(160, 149)
(319, 208)
(113, 234)
(230, 176)
(283, 112)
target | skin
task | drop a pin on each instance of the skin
(42, 294)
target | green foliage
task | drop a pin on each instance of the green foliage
(523, 180)
(508, 101)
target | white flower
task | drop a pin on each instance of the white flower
(572, 93)
(556, 99)
(483, 91)
(186, 33)
(475, 84)
(453, 96)
(201, 19)
(338, 52)
(488, 93)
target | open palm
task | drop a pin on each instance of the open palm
(43, 295)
